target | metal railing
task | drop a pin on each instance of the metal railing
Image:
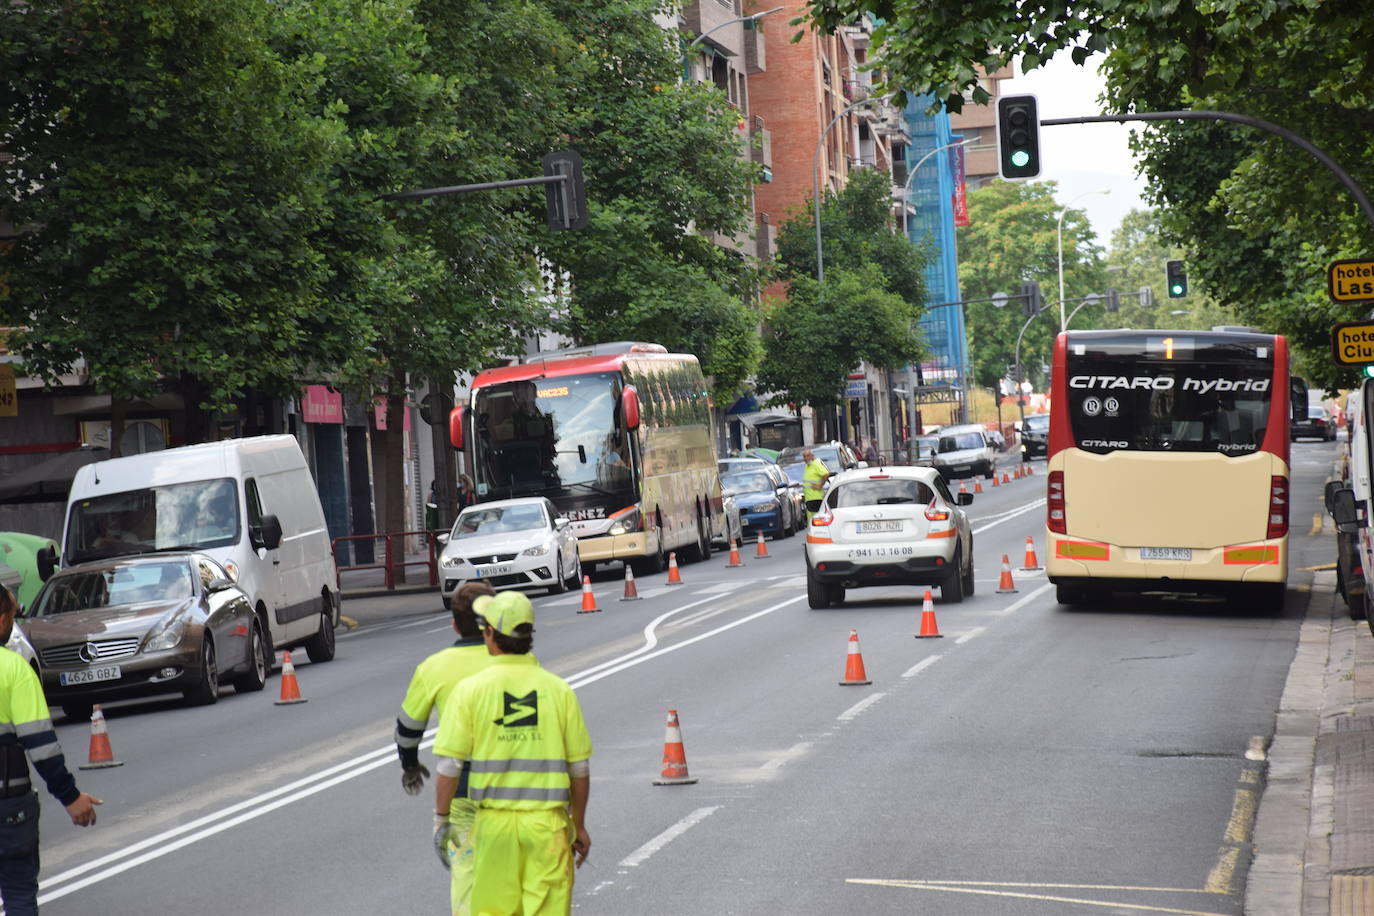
(393, 547)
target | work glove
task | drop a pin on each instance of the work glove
(441, 832)
(413, 778)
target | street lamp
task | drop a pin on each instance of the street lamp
(720, 25)
(816, 179)
(1059, 231)
(906, 186)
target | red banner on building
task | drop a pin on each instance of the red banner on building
(960, 202)
(320, 405)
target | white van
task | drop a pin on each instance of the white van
(249, 503)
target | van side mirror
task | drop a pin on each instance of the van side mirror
(266, 536)
(1346, 511)
(46, 560)
(219, 585)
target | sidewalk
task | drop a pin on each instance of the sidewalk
(1314, 831)
(367, 583)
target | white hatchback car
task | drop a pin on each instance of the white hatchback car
(510, 543)
(889, 526)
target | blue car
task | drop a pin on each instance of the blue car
(764, 505)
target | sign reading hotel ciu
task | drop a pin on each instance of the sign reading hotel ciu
(1351, 280)
(1352, 343)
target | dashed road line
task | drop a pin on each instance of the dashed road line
(641, 854)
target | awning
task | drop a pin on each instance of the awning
(49, 480)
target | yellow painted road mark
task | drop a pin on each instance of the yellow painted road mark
(1324, 567)
(952, 888)
(1219, 879)
(348, 622)
(1316, 525)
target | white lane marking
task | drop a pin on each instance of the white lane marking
(667, 836)
(1022, 602)
(302, 788)
(971, 634)
(922, 665)
(787, 756)
(995, 520)
(789, 582)
(860, 706)
(717, 589)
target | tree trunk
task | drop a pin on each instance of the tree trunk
(119, 408)
(394, 451)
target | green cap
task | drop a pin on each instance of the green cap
(505, 612)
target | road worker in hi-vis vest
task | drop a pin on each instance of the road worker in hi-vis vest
(814, 476)
(433, 681)
(520, 730)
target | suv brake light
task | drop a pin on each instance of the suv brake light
(1055, 519)
(823, 517)
(935, 514)
(1278, 507)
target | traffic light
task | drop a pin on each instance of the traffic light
(1113, 300)
(1176, 281)
(566, 200)
(1018, 136)
(1146, 297)
(1031, 299)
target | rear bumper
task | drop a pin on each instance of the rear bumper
(915, 571)
(1088, 563)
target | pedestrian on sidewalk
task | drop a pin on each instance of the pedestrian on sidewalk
(430, 687)
(520, 728)
(26, 734)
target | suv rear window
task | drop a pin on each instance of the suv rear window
(960, 442)
(879, 493)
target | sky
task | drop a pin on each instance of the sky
(1083, 158)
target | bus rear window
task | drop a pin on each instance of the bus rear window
(1181, 397)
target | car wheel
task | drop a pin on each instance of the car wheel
(320, 647)
(952, 588)
(574, 578)
(560, 584)
(968, 578)
(259, 662)
(652, 564)
(206, 690)
(77, 711)
(817, 594)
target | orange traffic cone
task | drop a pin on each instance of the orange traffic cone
(631, 590)
(1030, 470)
(963, 487)
(1005, 478)
(290, 690)
(1004, 585)
(977, 486)
(761, 551)
(588, 599)
(101, 754)
(994, 480)
(674, 772)
(854, 675)
(1031, 562)
(929, 628)
(735, 561)
(674, 577)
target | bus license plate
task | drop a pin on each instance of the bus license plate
(871, 527)
(89, 676)
(1166, 553)
(499, 569)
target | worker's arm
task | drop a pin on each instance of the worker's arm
(580, 789)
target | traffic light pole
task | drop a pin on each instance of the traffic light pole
(1300, 142)
(1021, 395)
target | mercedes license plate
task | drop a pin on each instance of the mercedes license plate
(89, 676)
(876, 526)
(495, 569)
(1166, 553)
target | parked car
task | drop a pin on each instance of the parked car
(925, 451)
(765, 504)
(1035, 436)
(138, 626)
(963, 451)
(733, 523)
(897, 526)
(728, 465)
(510, 543)
(1318, 425)
(19, 644)
(32, 557)
(834, 455)
(794, 491)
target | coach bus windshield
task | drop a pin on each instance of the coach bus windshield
(551, 435)
(1173, 393)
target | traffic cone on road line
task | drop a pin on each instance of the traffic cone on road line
(588, 599)
(290, 690)
(978, 486)
(761, 551)
(631, 590)
(929, 628)
(735, 561)
(1031, 563)
(1004, 585)
(963, 487)
(1005, 478)
(674, 772)
(101, 755)
(674, 577)
(854, 675)
(994, 480)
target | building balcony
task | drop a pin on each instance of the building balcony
(762, 146)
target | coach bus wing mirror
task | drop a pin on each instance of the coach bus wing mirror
(455, 427)
(629, 402)
(1330, 495)
(1346, 511)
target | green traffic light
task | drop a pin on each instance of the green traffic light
(1176, 289)
(1368, 371)
(1020, 158)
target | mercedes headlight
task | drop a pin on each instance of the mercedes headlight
(536, 551)
(166, 635)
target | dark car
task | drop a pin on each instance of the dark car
(765, 504)
(1035, 436)
(1318, 425)
(836, 456)
(142, 625)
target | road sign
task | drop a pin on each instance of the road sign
(855, 388)
(1352, 343)
(999, 300)
(1351, 280)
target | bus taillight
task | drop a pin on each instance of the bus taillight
(1054, 503)
(1278, 507)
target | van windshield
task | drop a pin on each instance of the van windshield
(181, 516)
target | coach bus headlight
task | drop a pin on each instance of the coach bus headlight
(625, 523)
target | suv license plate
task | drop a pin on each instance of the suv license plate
(89, 676)
(1166, 553)
(871, 527)
(502, 569)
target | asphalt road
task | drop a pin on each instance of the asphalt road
(1033, 760)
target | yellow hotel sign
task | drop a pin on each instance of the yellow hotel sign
(1351, 281)
(1352, 343)
(9, 394)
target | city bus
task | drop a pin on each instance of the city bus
(1168, 464)
(617, 435)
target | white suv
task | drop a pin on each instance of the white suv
(889, 526)
(964, 451)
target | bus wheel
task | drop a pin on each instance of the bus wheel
(652, 564)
